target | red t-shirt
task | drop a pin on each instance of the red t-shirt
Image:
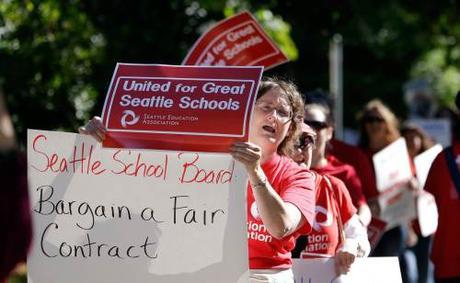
(362, 163)
(348, 175)
(294, 184)
(446, 245)
(332, 201)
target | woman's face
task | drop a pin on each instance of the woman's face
(316, 118)
(271, 121)
(414, 143)
(303, 151)
(374, 125)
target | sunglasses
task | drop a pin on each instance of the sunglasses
(304, 142)
(316, 125)
(373, 119)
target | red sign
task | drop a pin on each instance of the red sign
(179, 107)
(236, 41)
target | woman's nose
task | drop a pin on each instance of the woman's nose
(271, 116)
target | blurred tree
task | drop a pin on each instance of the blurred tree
(47, 50)
(440, 63)
(57, 57)
(382, 41)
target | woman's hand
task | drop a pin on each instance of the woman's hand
(247, 153)
(94, 128)
(343, 261)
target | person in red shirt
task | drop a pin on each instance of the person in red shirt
(15, 216)
(354, 156)
(281, 194)
(440, 182)
(417, 142)
(336, 232)
(379, 127)
(319, 116)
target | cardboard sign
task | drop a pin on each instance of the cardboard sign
(179, 107)
(427, 213)
(397, 206)
(236, 41)
(392, 165)
(363, 270)
(423, 162)
(113, 215)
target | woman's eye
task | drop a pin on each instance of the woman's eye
(283, 113)
(266, 108)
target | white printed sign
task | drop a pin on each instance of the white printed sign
(110, 215)
(363, 270)
(397, 206)
(427, 211)
(423, 162)
(392, 165)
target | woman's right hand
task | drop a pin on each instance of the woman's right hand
(94, 128)
(248, 154)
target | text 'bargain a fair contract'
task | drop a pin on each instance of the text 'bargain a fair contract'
(122, 215)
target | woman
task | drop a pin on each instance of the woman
(379, 127)
(418, 141)
(318, 115)
(337, 231)
(280, 198)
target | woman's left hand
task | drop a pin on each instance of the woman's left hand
(343, 261)
(247, 153)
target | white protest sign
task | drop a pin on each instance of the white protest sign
(438, 129)
(110, 215)
(363, 270)
(392, 165)
(423, 162)
(427, 213)
(397, 206)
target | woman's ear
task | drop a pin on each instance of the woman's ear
(330, 133)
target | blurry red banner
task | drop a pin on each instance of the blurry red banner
(179, 107)
(236, 41)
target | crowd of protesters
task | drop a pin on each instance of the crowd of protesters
(297, 174)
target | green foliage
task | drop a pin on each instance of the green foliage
(57, 57)
(274, 26)
(444, 77)
(440, 64)
(47, 51)
(279, 31)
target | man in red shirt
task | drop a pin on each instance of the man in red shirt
(440, 182)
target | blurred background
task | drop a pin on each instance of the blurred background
(57, 57)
